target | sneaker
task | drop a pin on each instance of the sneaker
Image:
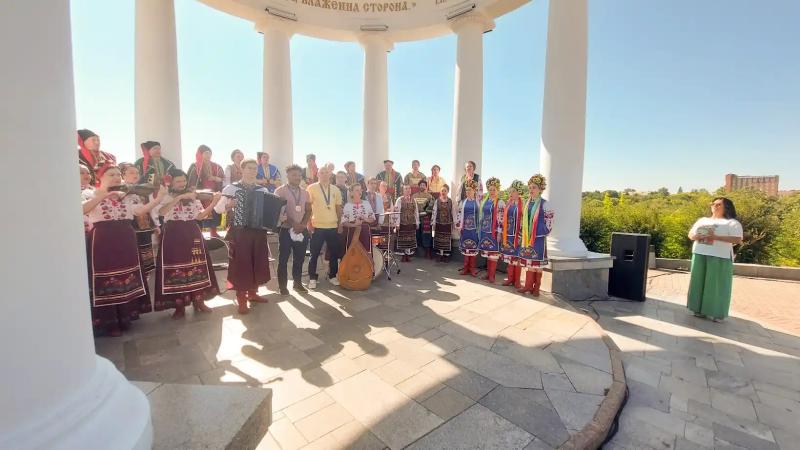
(312, 284)
(334, 281)
(299, 287)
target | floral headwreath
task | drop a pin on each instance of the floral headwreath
(471, 184)
(493, 182)
(518, 186)
(538, 180)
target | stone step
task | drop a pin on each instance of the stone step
(189, 416)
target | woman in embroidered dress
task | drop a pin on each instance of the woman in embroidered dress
(206, 174)
(233, 172)
(537, 221)
(407, 223)
(358, 213)
(511, 236)
(184, 272)
(711, 280)
(442, 224)
(117, 283)
(467, 224)
(86, 192)
(425, 206)
(144, 226)
(491, 222)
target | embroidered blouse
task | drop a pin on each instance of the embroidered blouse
(353, 212)
(112, 209)
(182, 212)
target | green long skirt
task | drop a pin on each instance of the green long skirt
(710, 286)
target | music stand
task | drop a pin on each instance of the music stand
(389, 259)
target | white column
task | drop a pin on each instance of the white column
(376, 102)
(157, 101)
(468, 105)
(563, 123)
(54, 391)
(277, 129)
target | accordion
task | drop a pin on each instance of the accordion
(257, 209)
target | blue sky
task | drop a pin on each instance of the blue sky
(680, 92)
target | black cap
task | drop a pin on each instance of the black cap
(86, 134)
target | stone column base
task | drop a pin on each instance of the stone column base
(108, 411)
(578, 279)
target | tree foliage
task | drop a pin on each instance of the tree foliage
(771, 225)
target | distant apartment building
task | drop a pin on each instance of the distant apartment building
(767, 184)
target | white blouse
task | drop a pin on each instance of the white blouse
(182, 212)
(112, 209)
(722, 227)
(353, 212)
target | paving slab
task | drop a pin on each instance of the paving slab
(498, 368)
(476, 427)
(448, 403)
(391, 416)
(191, 416)
(529, 409)
(575, 409)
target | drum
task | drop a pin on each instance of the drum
(381, 241)
(377, 259)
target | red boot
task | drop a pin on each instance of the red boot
(518, 278)
(529, 276)
(465, 270)
(200, 305)
(180, 312)
(254, 297)
(241, 300)
(473, 261)
(512, 275)
(537, 283)
(491, 269)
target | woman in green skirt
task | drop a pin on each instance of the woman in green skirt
(712, 260)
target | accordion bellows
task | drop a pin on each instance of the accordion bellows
(257, 208)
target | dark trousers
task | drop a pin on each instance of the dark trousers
(297, 250)
(321, 236)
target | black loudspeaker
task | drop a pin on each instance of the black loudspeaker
(628, 277)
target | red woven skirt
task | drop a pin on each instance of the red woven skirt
(183, 269)
(117, 283)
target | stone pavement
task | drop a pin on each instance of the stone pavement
(771, 302)
(428, 360)
(695, 384)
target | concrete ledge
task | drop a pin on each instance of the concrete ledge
(579, 279)
(198, 416)
(744, 270)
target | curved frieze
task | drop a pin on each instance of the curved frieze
(400, 20)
